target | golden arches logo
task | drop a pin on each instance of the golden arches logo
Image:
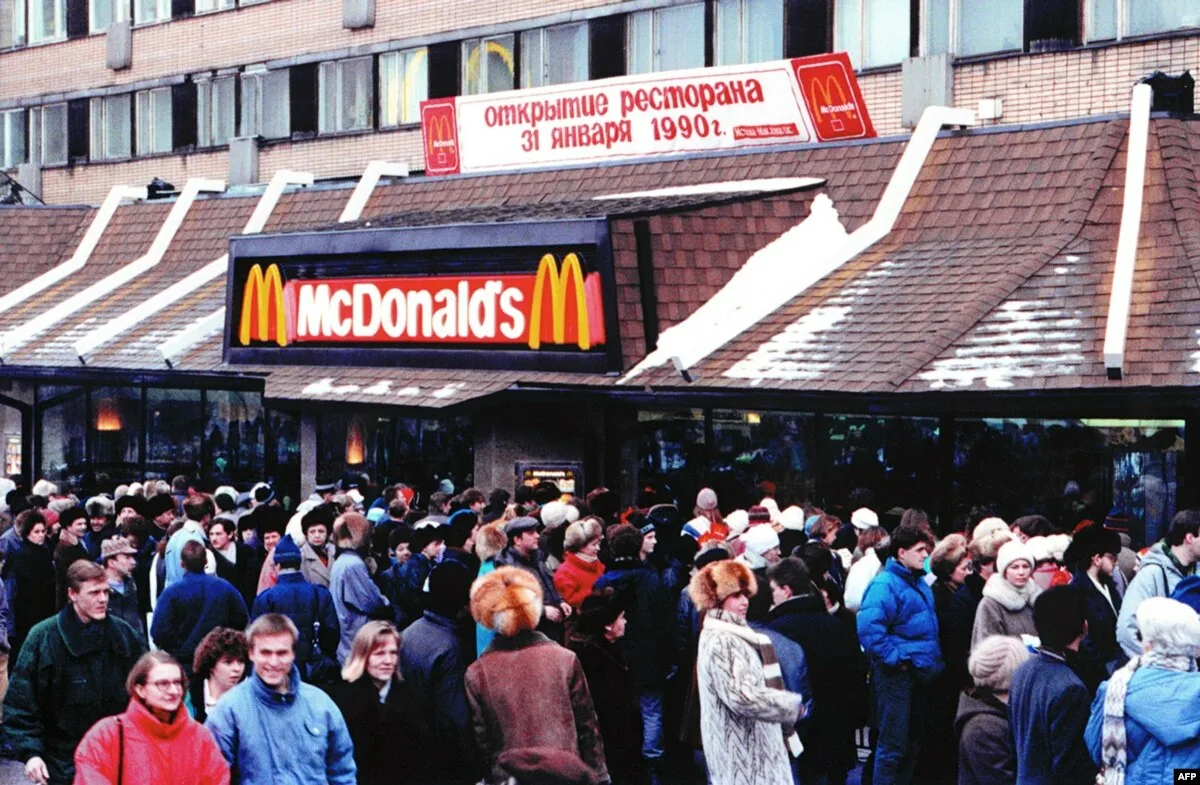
(481, 52)
(823, 97)
(571, 272)
(439, 133)
(260, 292)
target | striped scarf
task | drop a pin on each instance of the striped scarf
(772, 673)
(1112, 734)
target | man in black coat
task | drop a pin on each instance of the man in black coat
(1092, 557)
(836, 671)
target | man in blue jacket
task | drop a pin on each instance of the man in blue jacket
(898, 629)
(273, 728)
(310, 607)
(194, 606)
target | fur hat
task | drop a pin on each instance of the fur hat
(580, 533)
(556, 513)
(864, 518)
(101, 507)
(792, 519)
(985, 549)
(714, 583)
(760, 539)
(993, 661)
(737, 521)
(987, 526)
(624, 541)
(507, 600)
(157, 505)
(1011, 551)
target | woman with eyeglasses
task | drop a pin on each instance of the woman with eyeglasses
(154, 740)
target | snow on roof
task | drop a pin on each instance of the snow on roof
(763, 185)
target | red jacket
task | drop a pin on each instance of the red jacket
(182, 752)
(575, 578)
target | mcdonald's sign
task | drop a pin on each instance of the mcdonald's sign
(439, 132)
(516, 300)
(834, 101)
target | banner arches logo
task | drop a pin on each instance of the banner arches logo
(440, 137)
(262, 290)
(823, 95)
(559, 278)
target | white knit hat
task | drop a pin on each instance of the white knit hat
(864, 518)
(792, 519)
(1011, 551)
(760, 539)
(772, 507)
(737, 521)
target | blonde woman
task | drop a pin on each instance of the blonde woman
(377, 705)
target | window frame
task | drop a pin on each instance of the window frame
(37, 118)
(151, 98)
(484, 44)
(11, 119)
(99, 131)
(218, 6)
(339, 70)
(858, 58)
(543, 34)
(162, 13)
(742, 33)
(118, 9)
(259, 75)
(654, 14)
(1124, 14)
(60, 33)
(206, 127)
(952, 32)
(407, 60)
(19, 26)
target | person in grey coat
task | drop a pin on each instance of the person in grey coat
(1164, 565)
(985, 748)
(356, 598)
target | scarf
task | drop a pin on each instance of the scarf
(772, 673)
(1112, 738)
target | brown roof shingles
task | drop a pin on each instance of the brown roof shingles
(34, 239)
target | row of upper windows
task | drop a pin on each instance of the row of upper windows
(385, 91)
(31, 22)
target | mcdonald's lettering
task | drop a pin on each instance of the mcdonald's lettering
(559, 305)
(833, 100)
(262, 298)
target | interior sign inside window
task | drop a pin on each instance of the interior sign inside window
(810, 99)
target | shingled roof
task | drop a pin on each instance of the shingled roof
(996, 275)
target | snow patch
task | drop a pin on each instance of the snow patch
(724, 187)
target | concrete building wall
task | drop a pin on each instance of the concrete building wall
(525, 432)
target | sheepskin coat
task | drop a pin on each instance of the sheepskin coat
(741, 719)
(1005, 610)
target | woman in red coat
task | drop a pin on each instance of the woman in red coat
(576, 576)
(154, 740)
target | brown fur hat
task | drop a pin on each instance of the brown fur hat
(352, 531)
(489, 541)
(714, 583)
(508, 600)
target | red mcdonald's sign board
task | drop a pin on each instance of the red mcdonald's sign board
(807, 99)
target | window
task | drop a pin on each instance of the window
(266, 104)
(12, 138)
(554, 55)
(346, 97)
(488, 65)
(874, 32)
(975, 27)
(116, 430)
(214, 110)
(749, 31)
(204, 6)
(403, 85)
(62, 430)
(100, 13)
(111, 119)
(12, 23)
(174, 420)
(148, 11)
(233, 435)
(154, 121)
(47, 20)
(666, 39)
(48, 134)
(1109, 19)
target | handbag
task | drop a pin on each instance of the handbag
(319, 669)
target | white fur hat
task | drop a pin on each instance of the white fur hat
(737, 521)
(1011, 551)
(760, 539)
(556, 513)
(792, 519)
(772, 507)
(864, 518)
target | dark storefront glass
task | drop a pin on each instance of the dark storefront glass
(283, 452)
(396, 449)
(894, 457)
(116, 432)
(671, 453)
(63, 434)
(233, 434)
(1068, 470)
(173, 425)
(749, 447)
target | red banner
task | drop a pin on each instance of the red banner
(809, 99)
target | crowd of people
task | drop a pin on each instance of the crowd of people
(164, 633)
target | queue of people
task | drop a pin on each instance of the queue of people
(172, 635)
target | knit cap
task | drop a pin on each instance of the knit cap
(1011, 551)
(760, 539)
(737, 521)
(792, 519)
(286, 553)
(706, 499)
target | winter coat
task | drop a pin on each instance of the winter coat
(536, 565)
(897, 622)
(136, 746)
(123, 604)
(312, 568)
(646, 643)
(576, 578)
(1100, 648)
(92, 540)
(356, 599)
(388, 745)
(837, 678)
(305, 605)
(1156, 577)
(190, 532)
(242, 573)
(1162, 726)
(616, 704)
(741, 718)
(29, 581)
(1005, 610)
(1048, 709)
(67, 677)
(985, 749)
(192, 607)
(549, 705)
(862, 572)
(406, 590)
(297, 737)
(686, 633)
(483, 636)
(433, 661)
(64, 556)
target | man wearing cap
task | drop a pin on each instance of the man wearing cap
(1092, 556)
(310, 607)
(100, 510)
(198, 511)
(118, 557)
(194, 606)
(522, 552)
(646, 645)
